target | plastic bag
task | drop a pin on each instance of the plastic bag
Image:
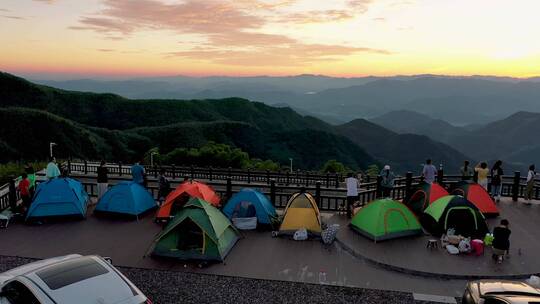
(464, 246)
(534, 281)
(488, 239)
(329, 234)
(452, 249)
(300, 235)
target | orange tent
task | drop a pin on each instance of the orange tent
(183, 193)
(478, 196)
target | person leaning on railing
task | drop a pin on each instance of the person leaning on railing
(352, 192)
(466, 171)
(483, 172)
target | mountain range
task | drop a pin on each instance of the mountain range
(91, 125)
(457, 100)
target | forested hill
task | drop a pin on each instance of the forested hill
(89, 125)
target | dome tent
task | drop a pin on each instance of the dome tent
(385, 219)
(181, 195)
(424, 195)
(301, 212)
(454, 212)
(59, 197)
(477, 195)
(239, 206)
(128, 198)
(198, 231)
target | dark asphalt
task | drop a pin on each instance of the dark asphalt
(171, 287)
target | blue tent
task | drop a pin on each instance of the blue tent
(59, 197)
(263, 208)
(126, 198)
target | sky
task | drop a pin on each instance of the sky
(84, 38)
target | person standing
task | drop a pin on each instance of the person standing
(466, 171)
(52, 169)
(501, 241)
(429, 172)
(102, 179)
(352, 192)
(496, 180)
(31, 173)
(164, 186)
(138, 174)
(482, 170)
(387, 181)
(24, 190)
(529, 191)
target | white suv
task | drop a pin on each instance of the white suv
(67, 280)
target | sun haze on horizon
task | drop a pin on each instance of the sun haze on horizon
(270, 37)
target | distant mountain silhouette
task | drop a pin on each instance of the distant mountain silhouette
(410, 122)
(405, 152)
(457, 100)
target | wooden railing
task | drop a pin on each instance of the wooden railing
(328, 189)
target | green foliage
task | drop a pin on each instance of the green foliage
(210, 154)
(373, 170)
(333, 166)
(263, 165)
(14, 170)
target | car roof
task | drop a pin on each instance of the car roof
(504, 286)
(82, 280)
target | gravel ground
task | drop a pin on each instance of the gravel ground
(165, 287)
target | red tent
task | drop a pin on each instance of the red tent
(183, 193)
(423, 196)
(477, 195)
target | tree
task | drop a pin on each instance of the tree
(372, 170)
(333, 166)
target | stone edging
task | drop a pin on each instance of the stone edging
(435, 275)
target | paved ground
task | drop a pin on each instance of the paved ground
(411, 253)
(258, 255)
(171, 287)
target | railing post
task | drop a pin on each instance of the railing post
(307, 179)
(318, 193)
(229, 188)
(408, 185)
(69, 166)
(192, 172)
(249, 175)
(229, 172)
(327, 180)
(336, 180)
(155, 171)
(515, 186)
(268, 176)
(273, 192)
(298, 177)
(440, 177)
(210, 177)
(378, 190)
(475, 176)
(173, 168)
(85, 167)
(12, 194)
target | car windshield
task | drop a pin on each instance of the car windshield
(69, 272)
(17, 293)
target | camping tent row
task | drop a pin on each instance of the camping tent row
(433, 207)
(426, 194)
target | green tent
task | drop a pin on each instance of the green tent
(385, 219)
(454, 211)
(198, 231)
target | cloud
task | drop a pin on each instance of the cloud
(46, 1)
(4, 10)
(13, 17)
(380, 19)
(231, 30)
(105, 50)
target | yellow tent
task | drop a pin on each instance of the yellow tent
(301, 212)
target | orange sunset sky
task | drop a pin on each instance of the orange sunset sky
(271, 37)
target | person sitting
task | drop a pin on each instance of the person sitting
(501, 241)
